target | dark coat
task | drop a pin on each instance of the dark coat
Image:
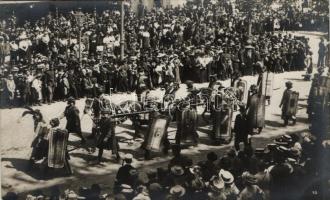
(123, 175)
(240, 128)
(73, 121)
(285, 103)
(107, 139)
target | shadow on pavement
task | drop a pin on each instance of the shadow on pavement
(273, 123)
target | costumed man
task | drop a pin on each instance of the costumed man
(71, 113)
(58, 155)
(309, 66)
(186, 117)
(40, 143)
(156, 133)
(221, 115)
(107, 139)
(240, 128)
(255, 111)
(248, 59)
(285, 103)
(192, 94)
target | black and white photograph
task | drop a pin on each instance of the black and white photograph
(165, 100)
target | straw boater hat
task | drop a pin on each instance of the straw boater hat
(249, 44)
(177, 170)
(128, 157)
(178, 191)
(126, 188)
(195, 169)
(226, 176)
(217, 183)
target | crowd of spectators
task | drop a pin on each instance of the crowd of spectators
(292, 167)
(161, 45)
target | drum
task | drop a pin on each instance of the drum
(256, 111)
(157, 133)
(242, 91)
(187, 126)
(222, 124)
(58, 139)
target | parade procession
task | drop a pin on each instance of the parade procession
(165, 99)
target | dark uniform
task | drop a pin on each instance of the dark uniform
(240, 129)
(71, 114)
(107, 139)
(126, 174)
(284, 104)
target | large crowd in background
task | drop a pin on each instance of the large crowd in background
(292, 167)
(161, 46)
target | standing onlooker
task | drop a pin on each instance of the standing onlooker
(322, 52)
(10, 90)
(251, 190)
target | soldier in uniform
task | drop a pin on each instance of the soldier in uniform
(71, 113)
(107, 139)
(164, 141)
(285, 103)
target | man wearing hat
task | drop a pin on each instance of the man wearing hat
(177, 192)
(126, 173)
(230, 190)
(208, 167)
(251, 190)
(107, 139)
(280, 175)
(71, 113)
(248, 59)
(215, 188)
(285, 103)
(240, 128)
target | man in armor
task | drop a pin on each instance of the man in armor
(255, 106)
(40, 143)
(164, 141)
